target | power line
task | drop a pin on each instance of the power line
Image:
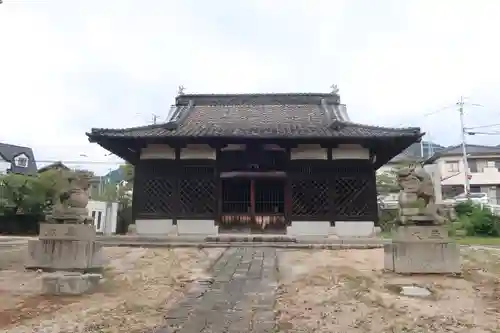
(430, 113)
(438, 110)
(483, 126)
(483, 133)
(79, 162)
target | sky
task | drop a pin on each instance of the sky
(69, 66)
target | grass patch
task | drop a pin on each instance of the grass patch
(468, 240)
(385, 234)
(476, 240)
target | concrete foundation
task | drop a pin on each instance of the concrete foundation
(197, 227)
(68, 283)
(343, 229)
(309, 228)
(422, 249)
(355, 229)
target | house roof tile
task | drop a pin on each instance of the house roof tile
(257, 115)
(457, 150)
(9, 152)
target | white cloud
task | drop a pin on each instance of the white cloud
(68, 66)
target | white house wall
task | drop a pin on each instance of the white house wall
(490, 175)
(4, 165)
(435, 174)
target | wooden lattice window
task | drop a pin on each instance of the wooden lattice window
(157, 197)
(309, 197)
(353, 197)
(197, 197)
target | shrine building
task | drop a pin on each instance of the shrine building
(256, 163)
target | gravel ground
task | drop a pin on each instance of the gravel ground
(139, 286)
(347, 291)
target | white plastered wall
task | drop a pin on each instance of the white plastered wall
(157, 151)
(198, 152)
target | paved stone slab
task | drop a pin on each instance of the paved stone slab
(240, 298)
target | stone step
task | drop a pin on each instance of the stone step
(338, 246)
(251, 238)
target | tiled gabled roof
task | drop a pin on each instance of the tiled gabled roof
(472, 150)
(257, 115)
(8, 152)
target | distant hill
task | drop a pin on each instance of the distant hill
(114, 176)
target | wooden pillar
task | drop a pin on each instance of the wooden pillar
(252, 198)
(218, 187)
(137, 191)
(373, 197)
(288, 190)
(288, 201)
(177, 169)
(331, 188)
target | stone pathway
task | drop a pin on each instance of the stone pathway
(239, 298)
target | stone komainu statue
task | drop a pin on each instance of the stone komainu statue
(71, 204)
(417, 200)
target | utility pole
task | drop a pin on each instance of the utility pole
(460, 105)
(155, 117)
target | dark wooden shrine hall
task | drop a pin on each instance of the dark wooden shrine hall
(280, 163)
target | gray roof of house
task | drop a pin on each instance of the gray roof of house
(405, 156)
(55, 165)
(9, 152)
(308, 115)
(472, 150)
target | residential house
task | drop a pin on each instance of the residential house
(53, 166)
(417, 152)
(17, 159)
(96, 183)
(412, 155)
(484, 170)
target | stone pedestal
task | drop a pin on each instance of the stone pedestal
(422, 249)
(65, 247)
(68, 283)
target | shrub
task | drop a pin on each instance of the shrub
(464, 208)
(387, 218)
(477, 220)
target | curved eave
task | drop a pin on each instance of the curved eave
(129, 152)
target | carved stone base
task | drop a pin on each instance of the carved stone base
(65, 255)
(68, 283)
(422, 249)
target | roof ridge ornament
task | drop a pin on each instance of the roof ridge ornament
(335, 89)
(180, 90)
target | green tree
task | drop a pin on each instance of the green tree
(22, 194)
(116, 193)
(128, 172)
(31, 194)
(387, 182)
